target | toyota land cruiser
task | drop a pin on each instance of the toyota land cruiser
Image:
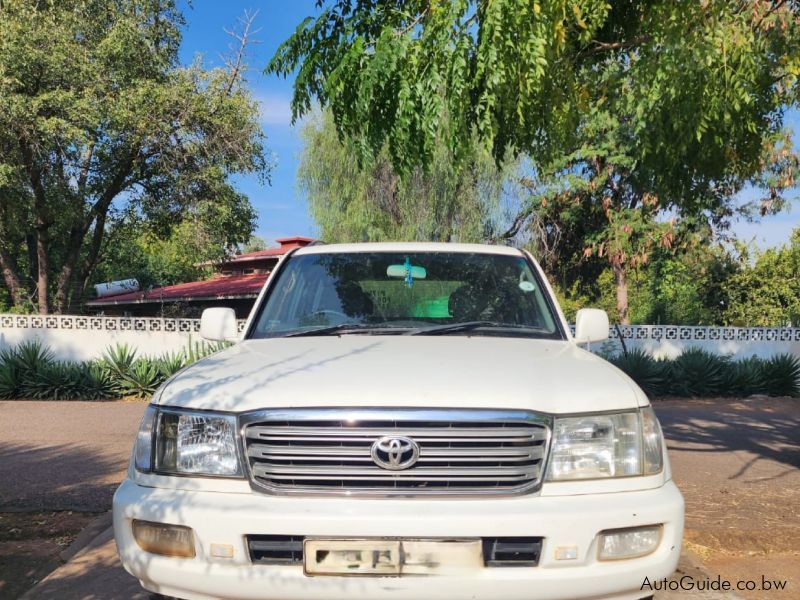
(400, 421)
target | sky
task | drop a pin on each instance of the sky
(280, 204)
(281, 208)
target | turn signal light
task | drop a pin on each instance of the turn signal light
(164, 539)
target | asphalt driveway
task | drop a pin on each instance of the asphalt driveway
(737, 462)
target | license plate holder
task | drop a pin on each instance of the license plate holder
(390, 557)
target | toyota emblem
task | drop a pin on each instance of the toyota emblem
(395, 452)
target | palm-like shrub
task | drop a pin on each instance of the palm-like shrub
(97, 384)
(118, 360)
(697, 372)
(21, 364)
(781, 375)
(743, 377)
(142, 379)
(645, 370)
(171, 362)
(9, 379)
(55, 380)
(201, 349)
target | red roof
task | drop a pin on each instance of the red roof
(235, 286)
(286, 244)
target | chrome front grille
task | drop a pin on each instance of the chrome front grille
(458, 451)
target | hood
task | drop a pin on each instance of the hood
(453, 371)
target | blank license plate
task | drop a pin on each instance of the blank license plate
(391, 557)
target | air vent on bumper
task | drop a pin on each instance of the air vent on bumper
(275, 549)
(512, 551)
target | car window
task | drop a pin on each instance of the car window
(414, 290)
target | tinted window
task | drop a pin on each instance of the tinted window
(384, 292)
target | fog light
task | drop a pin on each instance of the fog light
(164, 539)
(633, 542)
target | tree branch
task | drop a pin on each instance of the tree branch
(236, 65)
(600, 47)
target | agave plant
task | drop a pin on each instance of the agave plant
(781, 375)
(201, 349)
(97, 384)
(645, 370)
(142, 379)
(171, 362)
(29, 357)
(697, 372)
(118, 360)
(55, 380)
(744, 377)
(9, 380)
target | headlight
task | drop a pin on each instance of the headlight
(606, 445)
(184, 442)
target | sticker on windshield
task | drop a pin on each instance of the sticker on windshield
(526, 286)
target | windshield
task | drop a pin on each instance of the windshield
(416, 293)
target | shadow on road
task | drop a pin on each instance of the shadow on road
(62, 477)
(764, 429)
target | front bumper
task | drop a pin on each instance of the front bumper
(226, 518)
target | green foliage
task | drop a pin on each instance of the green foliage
(648, 372)
(141, 379)
(202, 348)
(781, 375)
(10, 376)
(117, 360)
(371, 201)
(59, 380)
(170, 363)
(643, 120)
(29, 370)
(133, 250)
(524, 74)
(102, 130)
(745, 377)
(766, 290)
(698, 373)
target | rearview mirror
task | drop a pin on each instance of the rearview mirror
(219, 325)
(401, 271)
(591, 325)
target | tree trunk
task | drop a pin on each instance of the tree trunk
(621, 280)
(64, 282)
(33, 264)
(11, 279)
(42, 283)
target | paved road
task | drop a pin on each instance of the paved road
(724, 454)
(64, 455)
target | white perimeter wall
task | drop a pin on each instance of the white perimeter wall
(82, 338)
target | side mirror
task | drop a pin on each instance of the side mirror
(591, 325)
(219, 325)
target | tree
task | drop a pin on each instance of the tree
(370, 201)
(254, 244)
(766, 289)
(98, 121)
(643, 119)
(133, 248)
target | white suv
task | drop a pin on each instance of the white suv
(400, 421)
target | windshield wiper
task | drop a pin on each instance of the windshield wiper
(469, 326)
(344, 328)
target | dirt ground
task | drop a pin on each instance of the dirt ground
(60, 463)
(737, 462)
(31, 545)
